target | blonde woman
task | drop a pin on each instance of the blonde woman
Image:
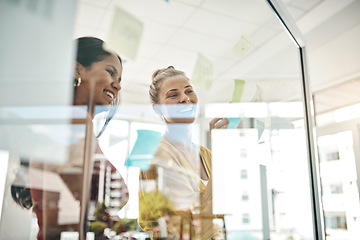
(180, 168)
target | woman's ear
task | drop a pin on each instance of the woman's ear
(78, 69)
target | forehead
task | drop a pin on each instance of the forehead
(174, 82)
(112, 60)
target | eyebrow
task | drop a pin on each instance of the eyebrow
(175, 89)
(112, 68)
(171, 90)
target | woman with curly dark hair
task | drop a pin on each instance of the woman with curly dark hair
(97, 77)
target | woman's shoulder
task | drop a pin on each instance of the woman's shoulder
(205, 151)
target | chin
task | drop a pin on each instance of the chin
(182, 120)
(104, 102)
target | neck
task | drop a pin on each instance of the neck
(179, 132)
(91, 109)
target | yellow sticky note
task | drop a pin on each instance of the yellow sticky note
(125, 33)
(203, 72)
(238, 90)
(242, 47)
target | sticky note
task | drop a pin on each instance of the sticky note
(260, 126)
(144, 149)
(281, 123)
(203, 72)
(259, 95)
(125, 34)
(242, 47)
(238, 90)
(233, 123)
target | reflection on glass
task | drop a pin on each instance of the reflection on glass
(338, 179)
(243, 102)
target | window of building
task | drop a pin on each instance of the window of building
(243, 174)
(336, 222)
(243, 153)
(245, 218)
(336, 188)
(245, 196)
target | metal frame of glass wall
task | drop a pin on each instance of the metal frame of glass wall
(298, 39)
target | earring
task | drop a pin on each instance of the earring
(77, 82)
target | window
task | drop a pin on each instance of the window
(245, 196)
(335, 222)
(243, 153)
(336, 188)
(332, 156)
(243, 174)
(245, 218)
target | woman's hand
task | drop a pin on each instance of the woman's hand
(218, 123)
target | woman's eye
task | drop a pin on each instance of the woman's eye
(110, 72)
(189, 91)
(173, 96)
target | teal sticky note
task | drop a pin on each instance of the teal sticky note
(144, 149)
(280, 123)
(260, 126)
(233, 122)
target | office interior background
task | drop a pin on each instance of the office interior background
(244, 65)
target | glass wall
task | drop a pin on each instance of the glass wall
(220, 151)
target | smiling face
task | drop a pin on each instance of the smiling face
(100, 83)
(178, 100)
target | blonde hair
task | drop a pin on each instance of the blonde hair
(157, 77)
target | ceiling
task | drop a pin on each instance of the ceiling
(341, 95)
(177, 31)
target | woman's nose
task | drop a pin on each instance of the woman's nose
(116, 85)
(184, 99)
